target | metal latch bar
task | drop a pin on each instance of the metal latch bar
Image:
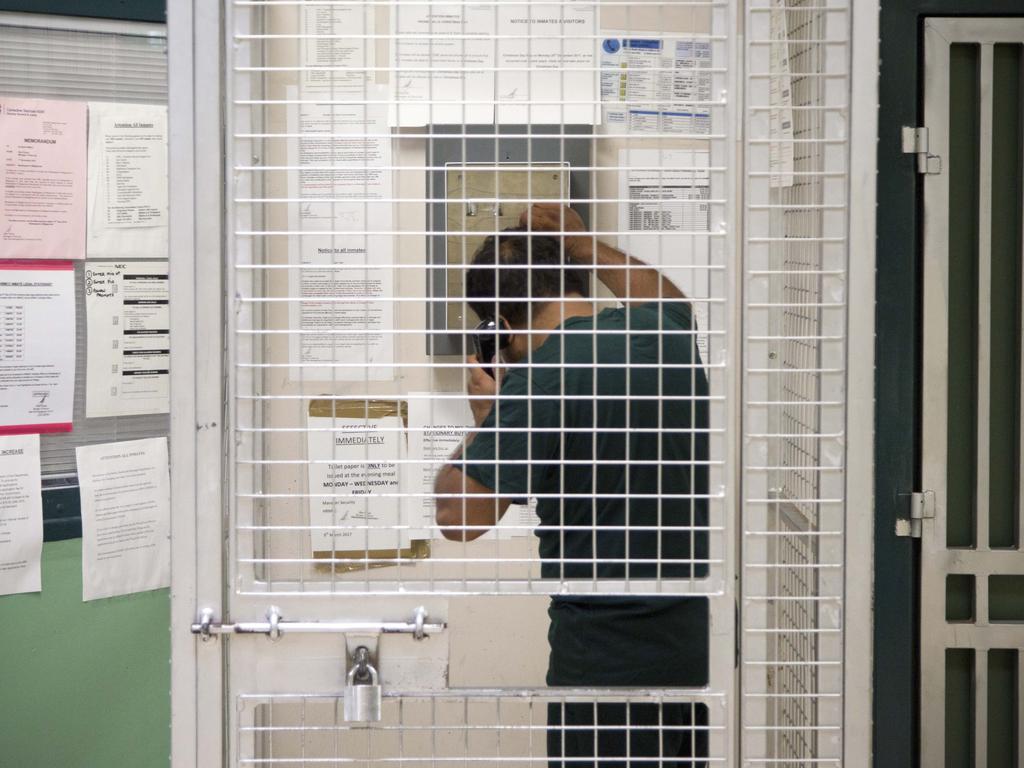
(916, 142)
(275, 626)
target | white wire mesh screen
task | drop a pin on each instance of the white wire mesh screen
(795, 266)
(373, 147)
(480, 728)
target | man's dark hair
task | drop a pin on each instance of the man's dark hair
(513, 266)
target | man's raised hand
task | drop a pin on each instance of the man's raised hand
(557, 218)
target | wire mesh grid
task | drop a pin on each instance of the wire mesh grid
(361, 190)
(374, 146)
(795, 264)
(477, 728)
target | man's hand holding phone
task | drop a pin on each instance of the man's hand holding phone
(482, 389)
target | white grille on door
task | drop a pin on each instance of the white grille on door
(465, 728)
(358, 190)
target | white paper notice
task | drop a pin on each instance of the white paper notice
(335, 65)
(437, 426)
(128, 314)
(556, 43)
(21, 515)
(351, 464)
(42, 179)
(435, 54)
(666, 196)
(125, 491)
(345, 317)
(37, 346)
(651, 84)
(519, 521)
(127, 181)
(781, 155)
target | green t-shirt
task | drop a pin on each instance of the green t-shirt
(607, 429)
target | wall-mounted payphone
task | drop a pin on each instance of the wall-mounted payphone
(469, 178)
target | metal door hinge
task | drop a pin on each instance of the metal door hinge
(275, 626)
(922, 507)
(915, 142)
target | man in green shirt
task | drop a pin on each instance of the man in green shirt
(603, 418)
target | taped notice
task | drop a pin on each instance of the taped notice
(355, 450)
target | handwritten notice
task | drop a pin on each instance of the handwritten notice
(128, 314)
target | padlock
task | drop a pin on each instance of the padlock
(362, 700)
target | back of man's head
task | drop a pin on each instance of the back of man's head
(512, 272)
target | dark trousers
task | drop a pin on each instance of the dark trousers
(658, 735)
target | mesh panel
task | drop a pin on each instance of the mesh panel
(475, 729)
(368, 165)
(795, 270)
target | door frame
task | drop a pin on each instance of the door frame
(896, 635)
(196, 197)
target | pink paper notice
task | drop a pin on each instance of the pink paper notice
(42, 179)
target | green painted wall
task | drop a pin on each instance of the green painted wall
(84, 685)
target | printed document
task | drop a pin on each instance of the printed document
(37, 346)
(128, 319)
(654, 84)
(127, 181)
(126, 536)
(335, 66)
(343, 321)
(443, 64)
(354, 484)
(21, 515)
(665, 198)
(780, 96)
(437, 426)
(557, 44)
(42, 179)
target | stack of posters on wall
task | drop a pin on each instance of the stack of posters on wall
(77, 181)
(42, 227)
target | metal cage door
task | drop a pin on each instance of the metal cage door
(282, 619)
(968, 513)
